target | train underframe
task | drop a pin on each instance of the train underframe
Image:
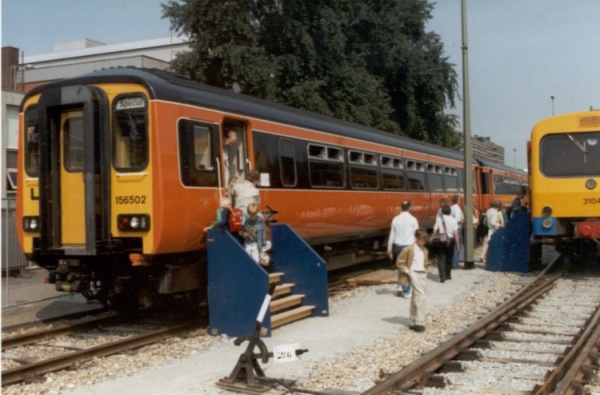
(130, 281)
(576, 251)
(126, 282)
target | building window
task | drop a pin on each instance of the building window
(11, 184)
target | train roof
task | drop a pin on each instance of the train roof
(500, 166)
(167, 86)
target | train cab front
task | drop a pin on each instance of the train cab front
(76, 139)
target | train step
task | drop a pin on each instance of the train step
(286, 303)
(286, 317)
(283, 289)
(275, 277)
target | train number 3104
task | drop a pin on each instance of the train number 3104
(130, 199)
(591, 200)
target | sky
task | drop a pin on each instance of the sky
(521, 53)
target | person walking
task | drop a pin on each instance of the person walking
(458, 215)
(413, 265)
(492, 218)
(402, 234)
(446, 230)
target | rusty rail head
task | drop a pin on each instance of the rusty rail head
(419, 371)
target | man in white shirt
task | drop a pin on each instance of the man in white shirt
(447, 225)
(402, 234)
(458, 215)
(229, 151)
(492, 217)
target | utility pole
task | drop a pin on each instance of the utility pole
(468, 225)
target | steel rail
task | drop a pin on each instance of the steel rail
(565, 376)
(28, 338)
(15, 375)
(72, 316)
(419, 371)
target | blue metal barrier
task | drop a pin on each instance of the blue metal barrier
(237, 286)
(302, 266)
(509, 247)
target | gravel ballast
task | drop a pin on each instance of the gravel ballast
(367, 331)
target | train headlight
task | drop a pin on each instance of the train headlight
(133, 222)
(590, 184)
(547, 223)
(547, 211)
(31, 224)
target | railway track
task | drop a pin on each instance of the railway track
(538, 341)
(36, 349)
(40, 352)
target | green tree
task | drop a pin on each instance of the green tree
(367, 62)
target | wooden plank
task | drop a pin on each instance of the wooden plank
(275, 277)
(381, 276)
(286, 303)
(289, 316)
(283, 289)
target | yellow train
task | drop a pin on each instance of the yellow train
(564, 156)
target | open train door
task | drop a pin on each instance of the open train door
(74, 163)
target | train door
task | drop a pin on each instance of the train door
(235, 154)
(72, 195)
(74, 164)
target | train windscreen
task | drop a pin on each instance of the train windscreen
(570, 154)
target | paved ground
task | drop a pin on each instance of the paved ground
(352, 323)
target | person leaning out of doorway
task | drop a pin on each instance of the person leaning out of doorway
(413, 265)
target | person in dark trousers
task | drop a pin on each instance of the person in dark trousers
(446, 230)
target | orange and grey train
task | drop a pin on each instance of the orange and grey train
(121, 169)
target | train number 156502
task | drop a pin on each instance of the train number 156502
(130, 199)
(591, 200)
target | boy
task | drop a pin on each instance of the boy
(413, 265)
(254, 232)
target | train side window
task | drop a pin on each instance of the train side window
(326, 166)
(393, 179)
(197, 152)
(32, 142)
(416, 181)
(73, 142)
(287, 163)
(435, 178)
(416, 175)
(130, 133)
(202, 145)
(415, 165)
(363, 170)
(392, 176)
(450, 179)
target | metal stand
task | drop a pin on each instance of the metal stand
(247, 376)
